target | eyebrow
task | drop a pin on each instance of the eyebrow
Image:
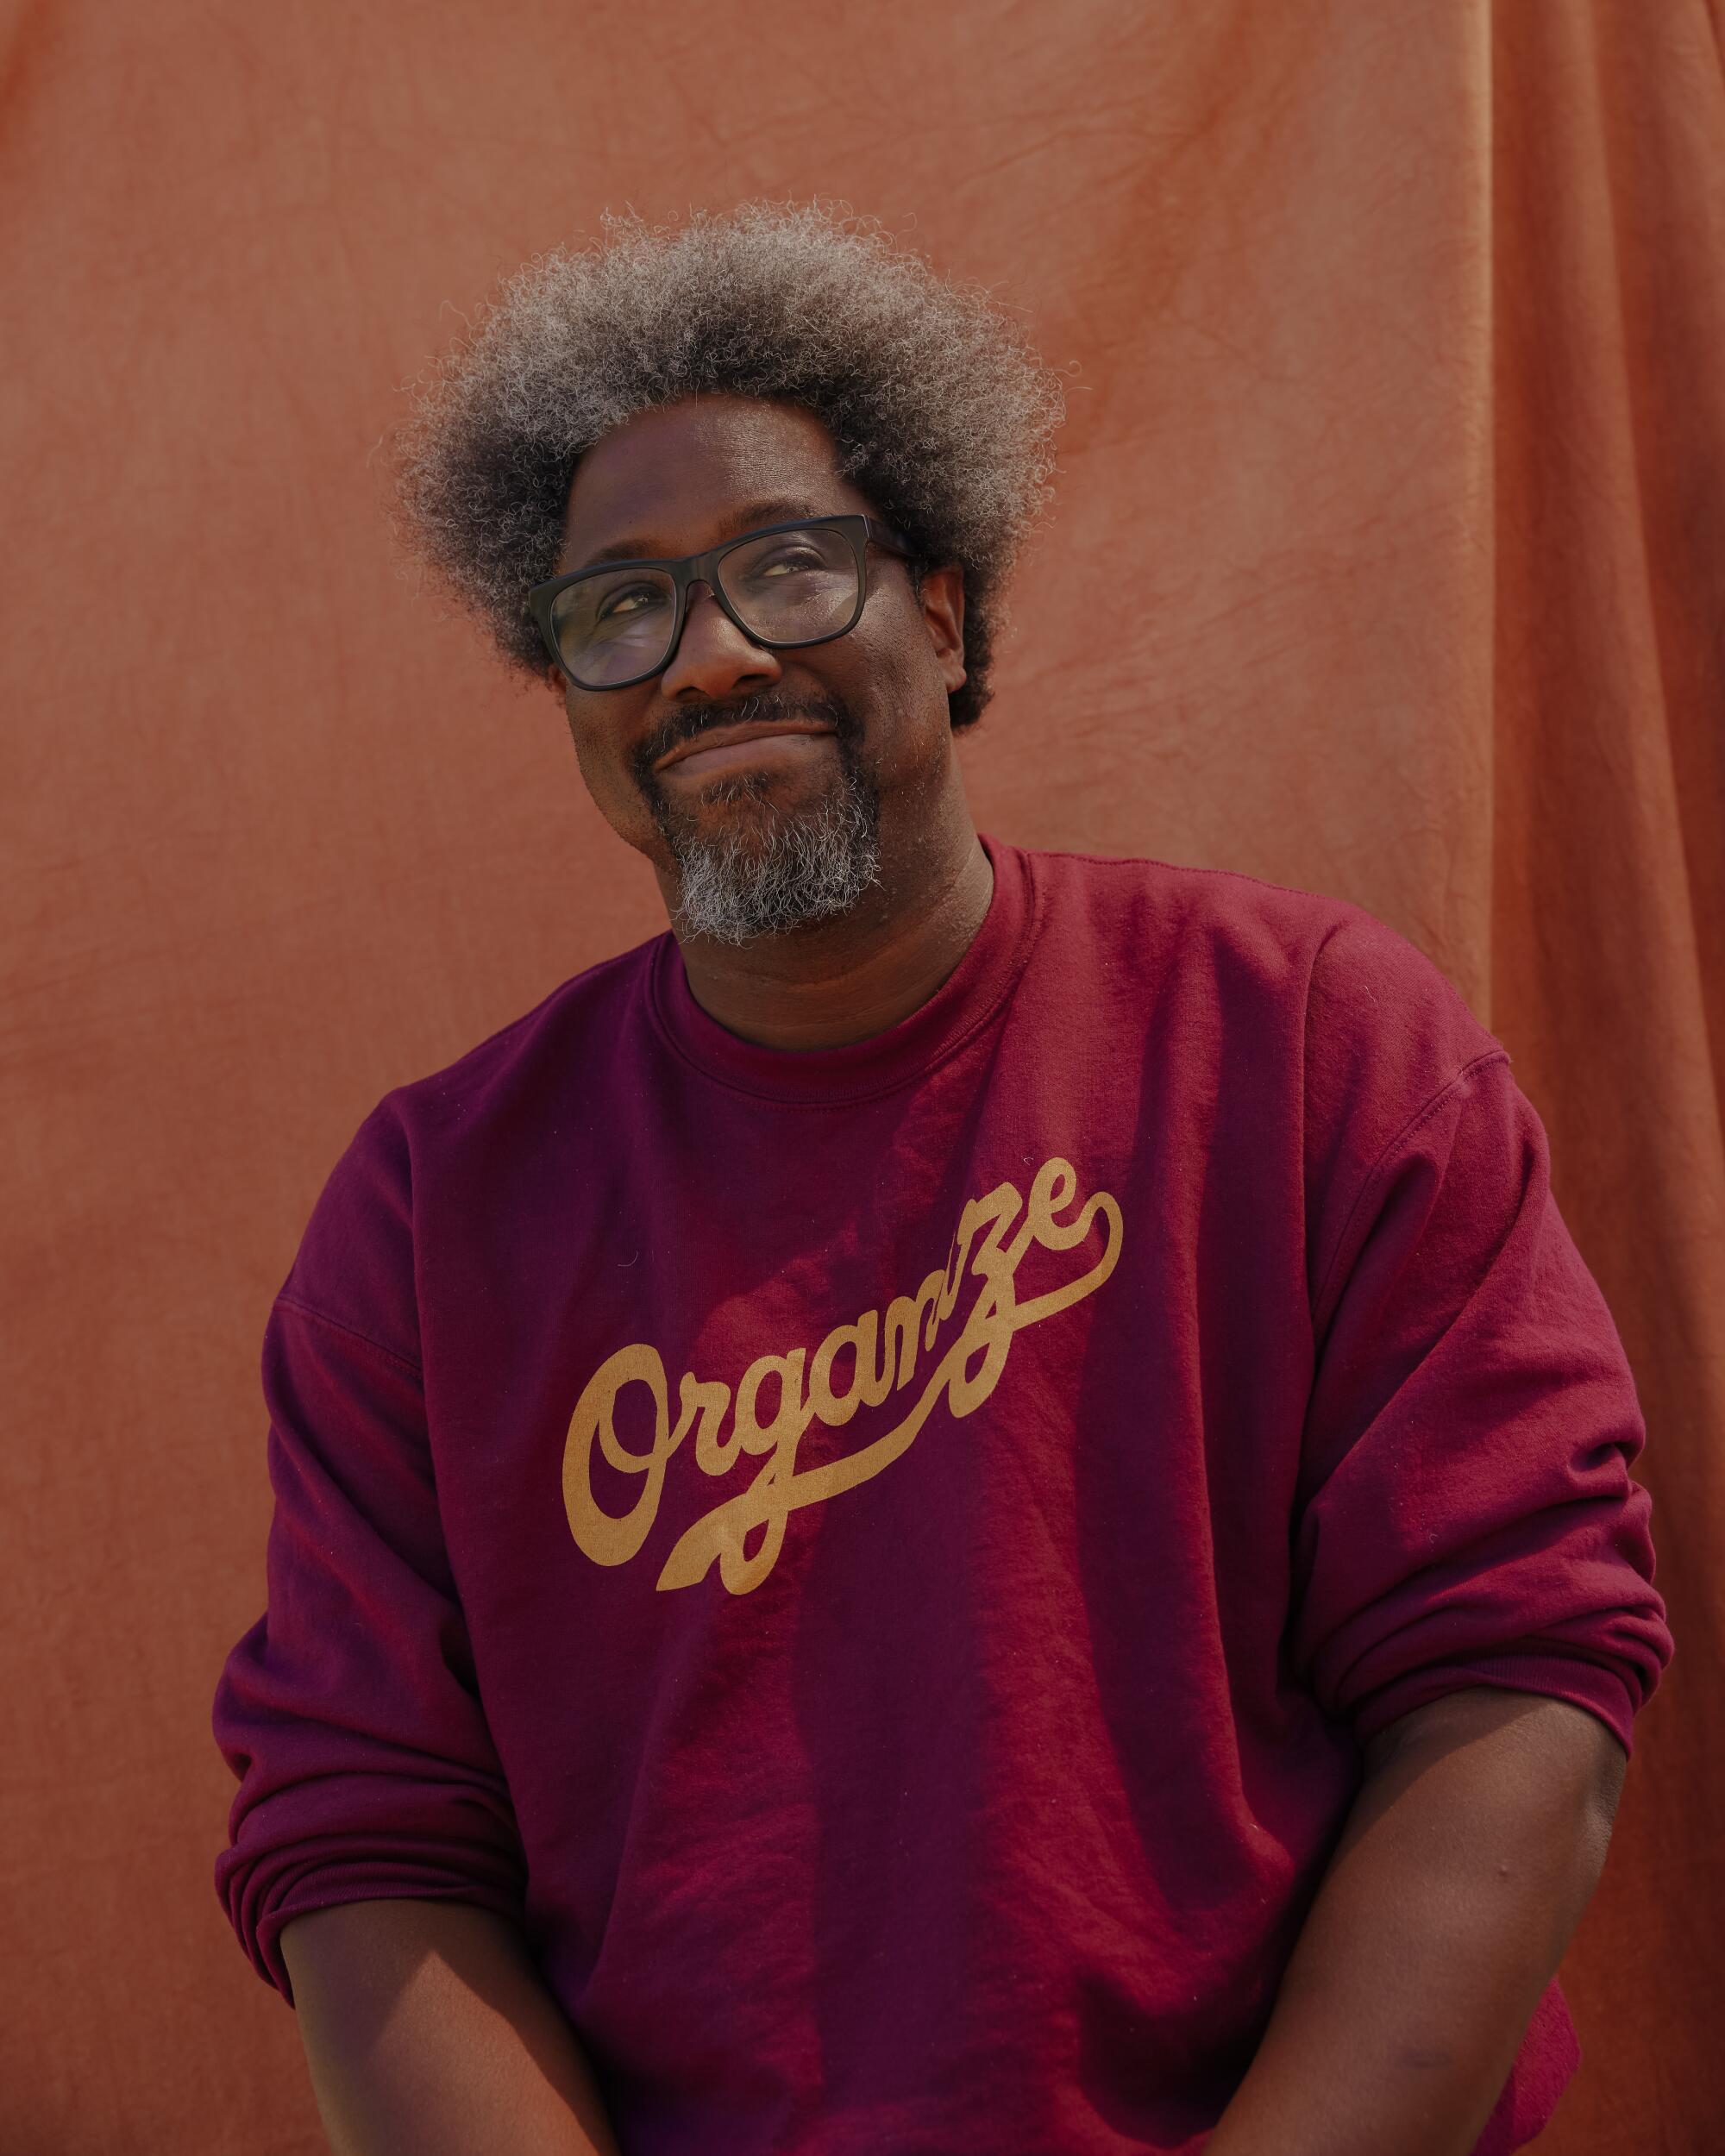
(746, 519)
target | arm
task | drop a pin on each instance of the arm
(1470, 1851)
(427, 2029)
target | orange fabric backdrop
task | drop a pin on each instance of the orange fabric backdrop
(1387, 559)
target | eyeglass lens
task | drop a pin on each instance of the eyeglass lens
(788, 586)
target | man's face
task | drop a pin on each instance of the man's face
(735, 755)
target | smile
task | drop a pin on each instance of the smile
(724, 747)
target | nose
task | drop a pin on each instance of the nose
(713, 658)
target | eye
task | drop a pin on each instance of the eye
(791, 561)
(627, 599)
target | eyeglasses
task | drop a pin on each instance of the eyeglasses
(784, 587)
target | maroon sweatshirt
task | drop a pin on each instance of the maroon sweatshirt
(883, 1560)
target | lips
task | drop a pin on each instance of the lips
(738, 738)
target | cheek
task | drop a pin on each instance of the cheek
(903, 648)
(609, 780)
(908, 698)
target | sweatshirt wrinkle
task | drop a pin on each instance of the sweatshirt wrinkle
(323, 1316)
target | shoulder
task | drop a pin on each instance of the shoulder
(1350, 970)
(579, 1021)
(1216, 898)
(1361, 1023)
(355, 1259)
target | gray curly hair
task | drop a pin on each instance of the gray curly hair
(941, 414)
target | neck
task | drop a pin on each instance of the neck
(842, 980)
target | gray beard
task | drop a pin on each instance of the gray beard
(770, 872)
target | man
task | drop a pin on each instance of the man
(976, 1504)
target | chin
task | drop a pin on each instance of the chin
(770, 844)
(736, 788)
(749, 806)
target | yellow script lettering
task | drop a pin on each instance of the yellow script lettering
(886, 1349)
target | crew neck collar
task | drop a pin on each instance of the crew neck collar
(965, 1002)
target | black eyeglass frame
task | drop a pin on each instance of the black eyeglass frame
(703, 569)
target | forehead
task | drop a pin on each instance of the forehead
(678, 478)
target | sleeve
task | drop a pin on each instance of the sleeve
(350, 1712)
(1464, 1514)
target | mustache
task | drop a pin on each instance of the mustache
(690, 721)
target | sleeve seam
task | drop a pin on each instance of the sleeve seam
(335, 1324)
(1391, 1148)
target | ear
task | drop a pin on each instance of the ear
(942, 599)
